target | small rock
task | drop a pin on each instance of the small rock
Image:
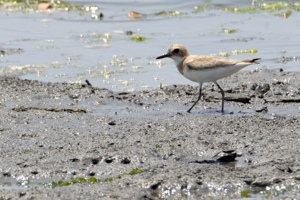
(92, 173)
(128, 32)
(226, 156)
(254, 86)
(134, 15)
(263, 88)
(101, 16)
(248, 182)
(34, 172)
(276, 180)
(74, 160)
(6, 174)
(109, 159)
(95, 161)
(21, 194)
(199, 183)
(125, 161)
(74, 95)
(289, 170)
(73, 173)
(261, 183)
(112, 123)
(262, 109)
(155, 186)
(44, 6)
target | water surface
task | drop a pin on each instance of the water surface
(75, 45)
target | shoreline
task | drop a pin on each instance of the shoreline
(58, 131)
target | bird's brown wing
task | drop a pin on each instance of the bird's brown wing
(206, 62)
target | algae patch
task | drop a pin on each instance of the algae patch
(83, 180)
(95, 40)
(286, 14)
(175, 13)
(229, 30)
(251, 50)
(240, 51)
(138, 38)
(245, 194)
(15, 69)
(201, 7)
(247, 9)
(272, 7)
(34, 5)
(279, 6)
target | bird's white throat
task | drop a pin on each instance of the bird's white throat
(178, 59)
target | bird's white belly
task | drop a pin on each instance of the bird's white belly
(212, 74)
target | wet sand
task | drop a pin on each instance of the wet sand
(53, 131)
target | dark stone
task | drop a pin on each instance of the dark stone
(112, 123)
(125, 161)
(74, 160)
(34, 172)
(155, 186)
(95, 161)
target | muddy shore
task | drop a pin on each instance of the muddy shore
(56, 131)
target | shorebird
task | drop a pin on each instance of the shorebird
(202, 69)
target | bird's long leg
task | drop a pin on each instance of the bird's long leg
(199, 97)
(222, 92)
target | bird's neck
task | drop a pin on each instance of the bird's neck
(179, 63)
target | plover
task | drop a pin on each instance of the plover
(202, 69)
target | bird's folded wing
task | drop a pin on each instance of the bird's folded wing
(206, 62)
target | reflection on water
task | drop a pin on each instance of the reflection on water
(75, 45)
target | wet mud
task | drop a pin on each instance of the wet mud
(56, 131)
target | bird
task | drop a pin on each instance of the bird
(200, 69)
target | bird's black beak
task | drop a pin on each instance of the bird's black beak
(163, 56)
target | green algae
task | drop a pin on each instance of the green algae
(33, 5)
(95, 40)
(108, 179)
(135, 171)
(224, 53)
(228, 30)
(201, 7)
(286, 14)
(247, 9)
(235, 52)
(267, 6)
(174, 12)
(245, 194)
(92, 180)
(118, 61)
(270, 192)
(274, 5)
(138, 38)
(251, 50)
(67, 6)
(241, 39)
(83, 180)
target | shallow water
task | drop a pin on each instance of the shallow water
(73, 45)
(254, 193)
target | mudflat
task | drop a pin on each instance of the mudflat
(59, 131)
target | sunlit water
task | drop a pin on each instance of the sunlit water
(73, 45)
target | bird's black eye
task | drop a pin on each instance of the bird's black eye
(176, 51)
